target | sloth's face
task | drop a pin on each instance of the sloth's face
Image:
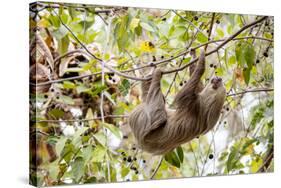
(216, 82)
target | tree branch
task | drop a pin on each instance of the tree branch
(141, 67)
(251, 91)
(44, 5)
(81, 120)
(267, 160)
(210, 30)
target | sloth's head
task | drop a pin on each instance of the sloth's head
(214, 88)
(216, 82)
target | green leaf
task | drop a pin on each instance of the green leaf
(115, 130)
(98, 154)
(56, 113)
(220, 32)
(232, 159)
(249, 55)
(77, 167)
(63, 44)
(101, 138)
(82, 88)
(72, 12)
(87, 24)
(134, 23)
(147, 26)
(179, 31)
(124, 171)
(66, 100)
(76, 139)
(54, 21)
(256, 164)
(68, 85)
(202, 38)
(239, 54)
(60, 145)
(87, 153)
(246, 74)
(180, 153)
(124, 87)
(173, 159)
(232, 60)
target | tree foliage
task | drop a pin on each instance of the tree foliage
(79, 107)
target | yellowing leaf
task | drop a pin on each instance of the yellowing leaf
(134, 23)
(255, 165)
(147, 46)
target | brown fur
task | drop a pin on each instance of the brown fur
(159, 130)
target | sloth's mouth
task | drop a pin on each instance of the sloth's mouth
(217, 82)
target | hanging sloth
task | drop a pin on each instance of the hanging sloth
(159, 130)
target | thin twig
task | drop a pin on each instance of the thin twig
(157, 168)
(267, 161)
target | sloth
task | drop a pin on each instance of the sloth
(159, 130)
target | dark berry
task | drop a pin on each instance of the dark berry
(218, 22)
(227, 109)
(109, 77)
(151, 64)
(172, 56)
(125, 137)
(113, 80)
(257, 61)
(224, 122)
(162, 57)
(129, 159)
(150, 44)
(211, 156)
(144, 161)
(265, 54)
(134, 148)
(124, 159)
(181, 83)
(215, 66)
(208, 31)
(127, 179)
(45, 96)
(57, 97)
(135, 158)
(52, 90)
(211, 65)
(123, 153)
(154, 58)
(164, 19)
(195, 18)
(136, 172)
(184, 82)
